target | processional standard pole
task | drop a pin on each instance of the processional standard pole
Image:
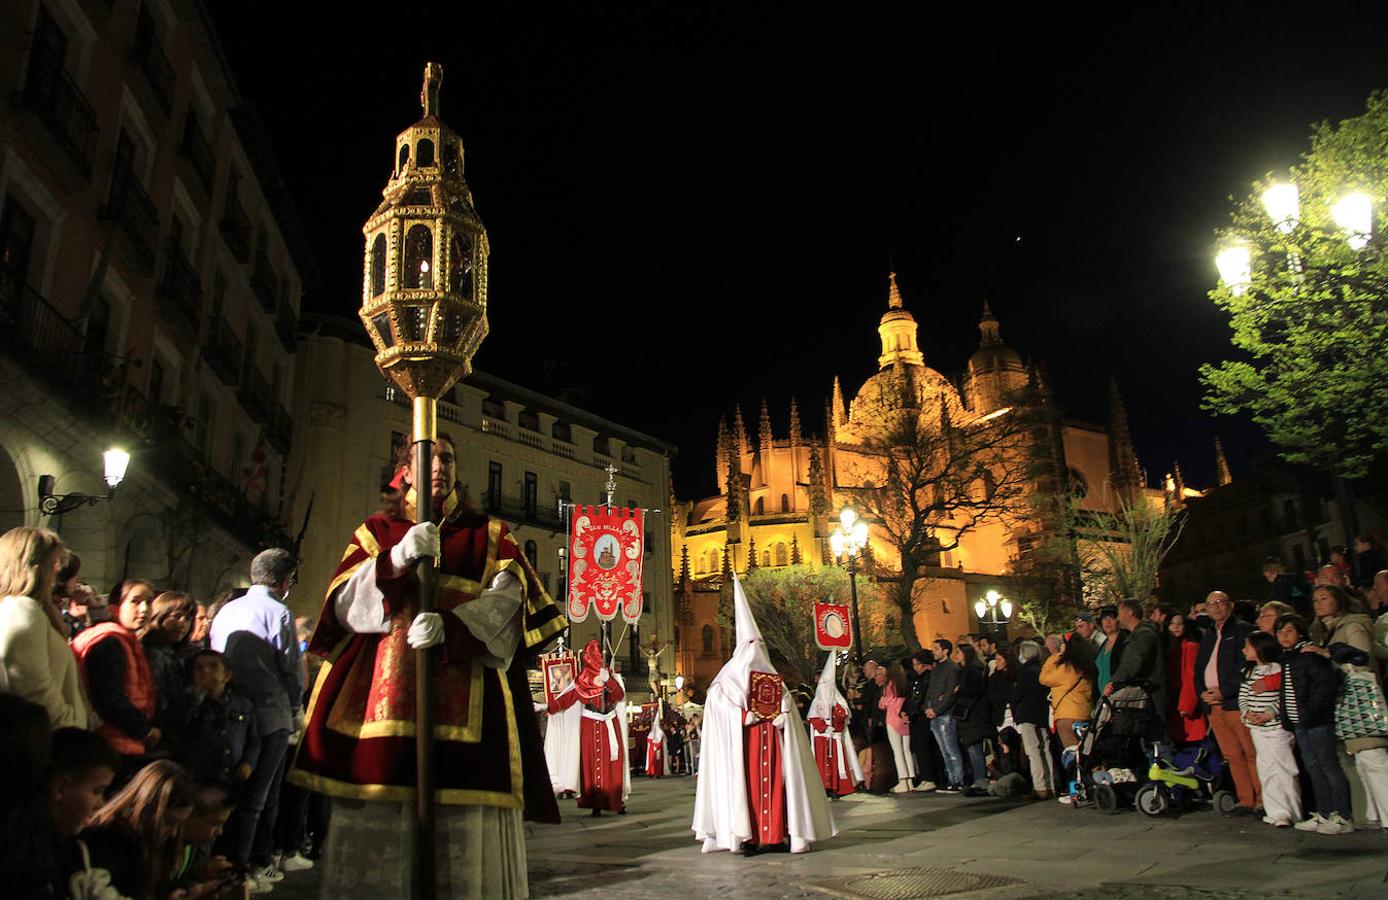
(424, 305)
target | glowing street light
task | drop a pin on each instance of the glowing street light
(848, 539)
(994, 609)
(1235, 266)
(1354, 213)
(116, 460)
(1283, 204)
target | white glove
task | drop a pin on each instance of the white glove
(749, 717)
(601, 678)
(420, 540)
(779, 721)
(425, 631)
(540, 707)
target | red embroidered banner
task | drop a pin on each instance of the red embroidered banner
(606, 549)
(764, 694)
(833, 629)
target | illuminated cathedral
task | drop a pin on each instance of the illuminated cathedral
(781, 494)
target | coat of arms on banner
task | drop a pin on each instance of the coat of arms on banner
(833, 629)
(606, 549)
(764, 695)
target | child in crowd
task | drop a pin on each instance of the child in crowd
(1260, 709)
(137, 835)
(199, 873)
(221, 740)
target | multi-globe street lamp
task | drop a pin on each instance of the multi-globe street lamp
(995, 611)
(848, 539)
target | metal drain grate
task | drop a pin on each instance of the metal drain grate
(909, 884)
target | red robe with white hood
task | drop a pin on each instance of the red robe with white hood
(758, 782)
(602, 732)
(833, 749)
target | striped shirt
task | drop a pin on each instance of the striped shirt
(1270, 674)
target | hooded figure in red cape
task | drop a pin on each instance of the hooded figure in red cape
(759, 788)
(602, 733)
(657, 765)
(833, 749)
(358, 743)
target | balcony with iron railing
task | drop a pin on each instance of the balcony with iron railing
(515, 509)
(180, 289)
(236, 229)
(197, 154)
(287, 327)
(60, 105)
(152, 62)
(255, 395)
(224, 352)
(129, 207)
(265, 282)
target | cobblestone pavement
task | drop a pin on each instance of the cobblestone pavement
(927, 845)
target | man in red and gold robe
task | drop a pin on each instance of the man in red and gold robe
(833, 749)
(358, 743)
(602, 733)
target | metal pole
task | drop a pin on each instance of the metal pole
(425, 432)
(853, 592)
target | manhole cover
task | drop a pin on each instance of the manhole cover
(908, 884)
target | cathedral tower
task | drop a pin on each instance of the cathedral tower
(898, 332)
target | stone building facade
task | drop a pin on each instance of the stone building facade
(151, 270)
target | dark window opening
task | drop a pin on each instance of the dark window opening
(419, 258)
(378, 266)
(494, 487)
(424, 155)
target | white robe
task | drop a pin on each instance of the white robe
(722, 819)
(827, 696)
(562, 748)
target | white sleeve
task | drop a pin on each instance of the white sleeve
(491, 618)
(360, 606)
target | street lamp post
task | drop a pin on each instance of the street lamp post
(995, 611)
(115, 460)
(848, 538)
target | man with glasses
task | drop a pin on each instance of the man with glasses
(1218, 673)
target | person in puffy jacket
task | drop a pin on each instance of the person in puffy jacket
(1072, 687)
(1310, 682)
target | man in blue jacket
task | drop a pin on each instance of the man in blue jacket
(1218, 673)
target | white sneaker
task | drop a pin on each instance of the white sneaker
(1311, 824)
(901, 787)
(1281, 822)
(1065, 798)
(268, 874)
(1336, 824)
(256, 886)
(296, 863)
(924, 786)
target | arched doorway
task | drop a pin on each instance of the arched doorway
(11, 494)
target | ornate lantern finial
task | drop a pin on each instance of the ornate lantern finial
(424, 294)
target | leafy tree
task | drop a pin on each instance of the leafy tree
(927, 476)
(1120, 552)
(783, 600)
(1312, 322)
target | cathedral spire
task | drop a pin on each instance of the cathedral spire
(898, 332)
(794, 423)
(751, 555)
(988, 327)
(764, 436)
(1125, 473)
(893, 292)
(1222, 476)
(720, 469)
(684, 565)
(744, 446)
(1180, 481)
(839, 412)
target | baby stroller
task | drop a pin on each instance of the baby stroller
(1111, 755)
(1194, 774)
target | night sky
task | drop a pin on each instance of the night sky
(689, 209)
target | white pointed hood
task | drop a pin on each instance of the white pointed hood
(656, 734)
(827, 692)
(749, 653)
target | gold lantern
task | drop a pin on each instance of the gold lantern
(424, 294)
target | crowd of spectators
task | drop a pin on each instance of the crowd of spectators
(1260, 681)
(144, 736)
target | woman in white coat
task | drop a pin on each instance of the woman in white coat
(36, 662)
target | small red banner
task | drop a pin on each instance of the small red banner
(606, 549)
(833, 628)
(764, 695)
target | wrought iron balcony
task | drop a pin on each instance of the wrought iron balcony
(60, 104)
(236, 229)
(180, 286)
(131, 209)
(153, 62)
(265, 282)
(515, 509)
(34, 329)
(255, 395)
(198, 153)
(224, 352)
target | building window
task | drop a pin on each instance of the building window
(16, 244)
(562, 431)
(785, 503)
(707, 633)
(565, 490)
(766, 559)
(782, 555)
(532, 494)
(532, 553)
(761, 506)
(494, 487)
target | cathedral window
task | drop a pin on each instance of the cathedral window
(707, 635)
(766, 559)
(761, 506)
(782, 555)
(785, 503)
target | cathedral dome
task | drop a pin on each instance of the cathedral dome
(902, 387)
